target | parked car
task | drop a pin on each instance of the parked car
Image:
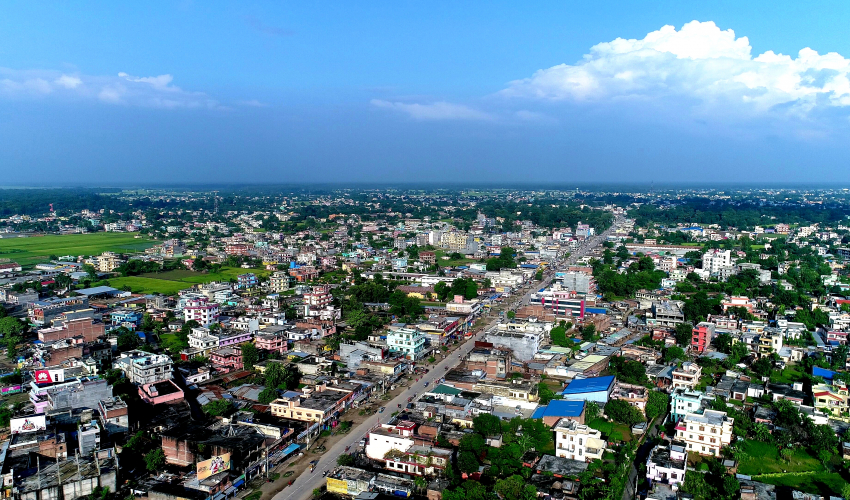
(381, 410)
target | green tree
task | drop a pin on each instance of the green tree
(217, 408)
(250, 355)
(474, 443)
(267, 395)
(487, 424)
(467, 462)
(621, 411)
(656, 406)
(11, 326)
(154, 460)
(591, 411)
(684, 332)
(515, 488)
(345, 460)
(588, 332)
(674, 353)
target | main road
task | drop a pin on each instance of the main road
(302, 488)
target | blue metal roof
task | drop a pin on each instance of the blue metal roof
(817, 371)
(593, 384)
(291, 448)
(596, 310)
(559, 408)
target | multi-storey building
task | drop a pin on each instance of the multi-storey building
(684, 401)
(226, 359)
(272, 342)
(832, 399)
(144, 368)
(87, 328)
(714, 260)
(409, 342)
(702, 335)
(201, 310)
(667, 464)
(705, 433)
(279, 281)
(246, 281)
(577, 441)
(686, 377)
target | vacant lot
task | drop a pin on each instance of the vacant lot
(171, 282)
(34, 249)
(763, 458)
(140, 284)
(824, 483)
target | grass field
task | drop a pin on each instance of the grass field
(611, 431)
(763, 458)
(451, 262)
(34, 249)
(171, 282)
(824, 483)
(787, 376)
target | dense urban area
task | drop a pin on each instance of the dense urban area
(456, 344)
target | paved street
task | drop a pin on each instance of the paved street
(304, 485)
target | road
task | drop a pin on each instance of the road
(302, 488)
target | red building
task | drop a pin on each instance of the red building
(702, 335)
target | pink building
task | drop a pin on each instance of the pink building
(271, 342)
(226, 359)
(702, 335)
(160, 392)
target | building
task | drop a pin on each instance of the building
(226, 359)
(87, 328)
(832, 399)
(106, 262)
(114, 417)
(409, 342)
(201, 310)
(349, 481)
(88, 437)
(272, 342)
(525, 345)
(279, 281)
(635, 395)
(667, 464)
(144, 368)
(319, 406)
(715, 260)
(687, 377)
(666, 313)
(596, 389)
(702, 335)
(705, 433)
(684, 401)
(577, 281)
(75, 477)
(578, 442)
(246, 281)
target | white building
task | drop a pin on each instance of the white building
(408, 341)
(705, 433)
(577, 441)
(201, 310)
(714, 261)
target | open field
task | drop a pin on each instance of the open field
(171, 282)
(763, 458)
(34, 249)
(823, 483)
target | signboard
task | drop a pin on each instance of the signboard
(214, 465)
(12, 389)
(32, 423)
(49, 376)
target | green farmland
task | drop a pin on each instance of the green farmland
(171, 282)
(31, 250)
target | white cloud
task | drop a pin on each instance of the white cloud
(69, 82)
(701, 62)
(147, 91)
(253, 103)
(434, 111)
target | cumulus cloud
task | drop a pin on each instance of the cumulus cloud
(149, 91)
(701, 62)
(253, 103)
(434, 111)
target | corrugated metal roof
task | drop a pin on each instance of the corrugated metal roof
(593, 384)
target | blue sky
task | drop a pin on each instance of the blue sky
(184, 92)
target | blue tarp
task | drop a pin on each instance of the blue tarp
(593, 384)
(291, 449)
(821, 372)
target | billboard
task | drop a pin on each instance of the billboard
(49, 376)
(214, 465)
(31, 423)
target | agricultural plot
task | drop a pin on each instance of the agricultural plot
(31, 250)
